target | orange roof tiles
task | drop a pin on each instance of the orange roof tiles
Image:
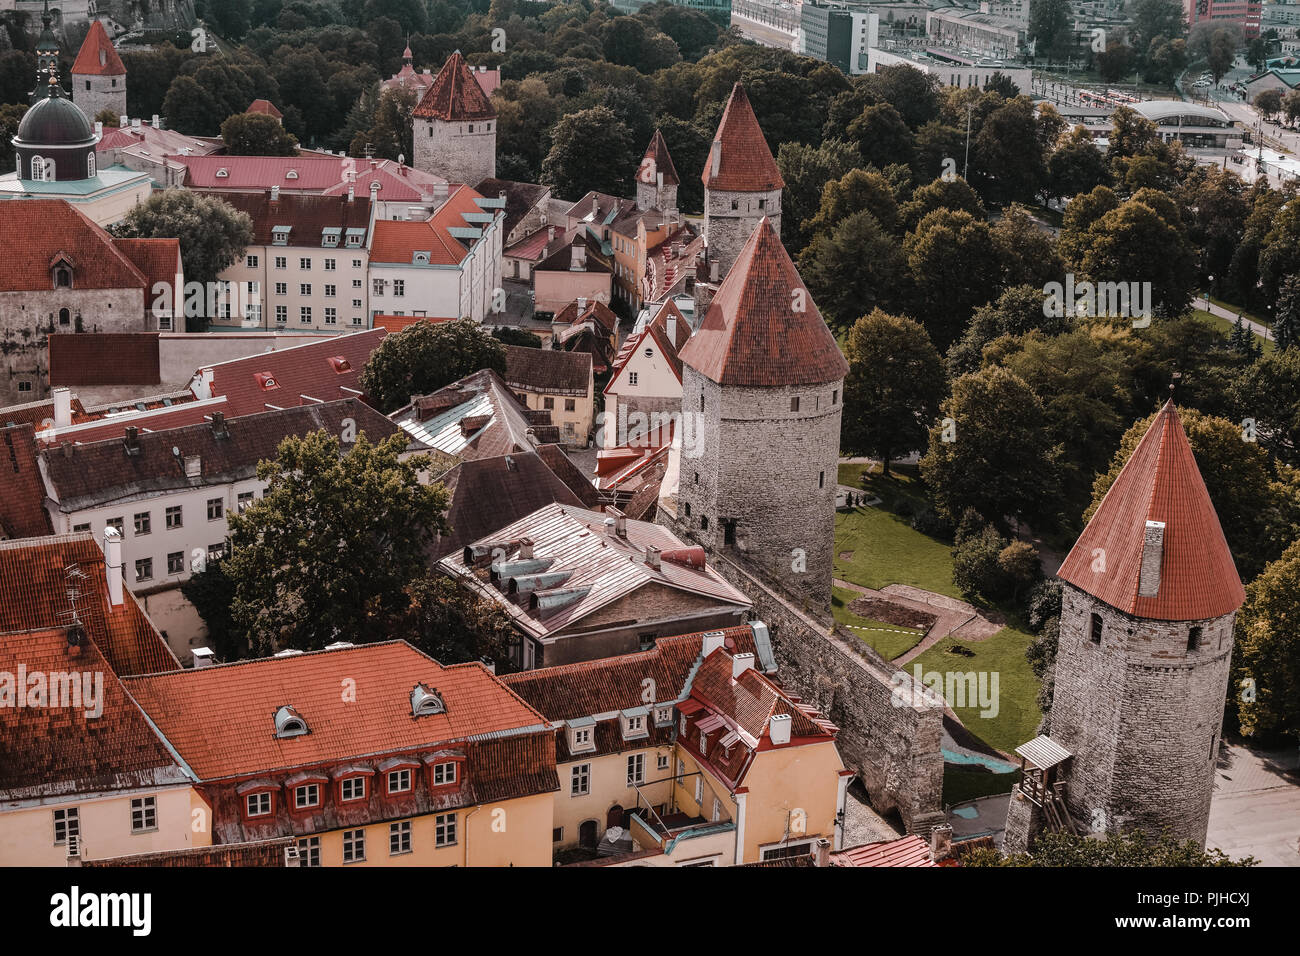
(763, 328)
(39, 230)
(1159, 482)
(265, 107)
(104, 358)
(220, 719)
(660, 162)
(97, 56)
(455, 95)
(22, 493)
(159, 260)
(743, 162)
(399, 240)
(910, 850)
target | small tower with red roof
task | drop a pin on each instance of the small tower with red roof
(1149, 595)
(741, 183)
(455, 127)
(656, 178)
(99, 75)
(762, 394)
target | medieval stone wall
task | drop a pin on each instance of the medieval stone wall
(730, 218)
(452, 151)
(104, 93)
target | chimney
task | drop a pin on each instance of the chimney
(157, 121)
(741, 663)
(582, 304)
(123, 121)
(713, 270)
(203, 387)
(652, 558)
(113, 565)
(352, 193)
(62, 407)
(440, 192)
(578, 261)
(672, 330)
(219, 425)
(620, 520)
(1153, 548)
(203, 657)
(131, 442)
(275, 194)
(822, 855)
(525, 549)
(715, 156)
(940, 842)
(778, 729)
(550, 234)
(712, 641)
(135, 123)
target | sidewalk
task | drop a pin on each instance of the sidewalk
(1205, 305)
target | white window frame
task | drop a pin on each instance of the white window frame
(580, 780)
(445, 830)
(354, 842)
(398, 774)
(312, 789)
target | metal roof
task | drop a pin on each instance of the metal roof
(1043, 752)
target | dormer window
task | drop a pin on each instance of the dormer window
(663, 716)
(426, 702)
(399, 781)
(582, 735)
(634, 723)
(266, 380)
(340, 364)
(62, 277)
(352, 789)
(257, 804)
(280, 235)
(420, 258)
(223, 173)
(444, 774)
(291, 174)
(306, 796)
(289, 723)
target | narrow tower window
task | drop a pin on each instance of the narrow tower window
(1193, 639)
(1096, 629)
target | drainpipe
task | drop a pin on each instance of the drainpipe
(467, 816)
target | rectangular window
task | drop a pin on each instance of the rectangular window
(251, 261)
(282, 313)
(143, 569)
(281, 262)
(444, 774)
(794, 404)
(331, 291)
(399, 838)
(681, 769)
(309, 851)
(580, 780)
(142, 522)
(1194, 639)
(81, 528)
(176, 562)
(304, 263)
(399, 781)
(1096, 628)
(144, 814)
(356, 283)
(304, 315)
(444, 830)
(282, 288)
(557, 835)
(661, 762)
(570, 405)
(699, 790)
(354, 846)
(242, 501)
(257, 804)
(115, 523)
(329, 265)
(717, 809)
(356, 264)
(353, 788)
(216, 508)
(631, 378)
(377, 287)
(548, 403)
(308, 795)
(304, 288)
(399, 287)
(67, 825)
(331, 316)
(636, 769)
(174, 517)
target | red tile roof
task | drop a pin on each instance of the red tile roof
(398, 241)
(158, 259)
(455, 94)
(33, 596)
(755, 332)
(397, 182)
(308, 215)
(39, 230)
(220, 719)
(308, 369)
(910, 850)
(552, 371)
(563, 467)
(97, 56)
(297, 173)
(264, 106)
(263, 853)
(745, 164)
(657, 331)
(395, 323)
(104, 358)
(151, 420)
(660, 162)
(1159, 482)
(54, 750)
(22, 492)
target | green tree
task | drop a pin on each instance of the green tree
(806, 171)
(912, 92)
(881, 136)
(329, 550)
(256, 134)
(857, 190)
(1266, 660)
(1134, 848)
(512, 335)
(573, 167)
(893, 389)
(858, 265)
(1223, 48)
(1118, 249)
(1269, 102)
(1076, 166)
(1115, 62)
(1028, 251)
(954, 267)
(213, 594)
(11, 114)
(1049, 26)
(1008, 154)
(1017, 311)
(976, 570)
(1268, 391)
(1154, 19)
(454, 626)
(993, 451)
(1286, 324)
(391, 129)
(1291, 106)
(426, 356)
(954, 195)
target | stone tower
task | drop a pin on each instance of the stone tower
(741, 183)
(656, 178)
(1149, 595)
(98, 75)
(762, 392)
(455, 127)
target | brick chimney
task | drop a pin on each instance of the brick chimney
(1153, 550)
(940, 842)
(822, 854)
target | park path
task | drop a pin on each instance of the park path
(1263, 331)
(952, 617)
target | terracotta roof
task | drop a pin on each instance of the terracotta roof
(563, 467)
(104, 358)
(750, 700)
(399, 241)
(264, 106)
(644, 502)
(660, 162)
(97, 56)
(263, 853)
(40, 230)
(159, 260)
(455, 95)
(602, 567)
(910, 850)
(594, 311)
(103, 427)
(39, 413)
(309, 216)
(478, 417)
(33, 596)
(745, 163)
(102, 472)
(656, 330)
(548, 370)
(397, 182)
(489, 493)
(22, 492)
(297, 173)
(324, 370)
(395, 323)
(55, 750)
(219, 719)
(1159, 483)
(755, 334)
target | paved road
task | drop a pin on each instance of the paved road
(1205, 305)
(1256, 805)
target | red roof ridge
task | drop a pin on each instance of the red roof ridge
(739, 159)
(662, 161)
(455, 94)
(1160, 482)
(97, 56)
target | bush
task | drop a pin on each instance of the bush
(1043, 604)
(976, 569)
(1041, 652)
(930, 522)
(905, 507)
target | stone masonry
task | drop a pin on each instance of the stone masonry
(460, 151)
(730, 218)
(91, 94)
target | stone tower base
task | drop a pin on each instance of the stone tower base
(1024, 822)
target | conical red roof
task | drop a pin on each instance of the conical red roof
(660, 162)
(762, 328)
(1160, 482)
(97, 56)
(455, 94)
(743, 162)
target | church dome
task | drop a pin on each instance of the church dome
(54, 121)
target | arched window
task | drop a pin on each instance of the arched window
(65, 317)
(38, 169)
(90, 165)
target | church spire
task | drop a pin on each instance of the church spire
(47, 57)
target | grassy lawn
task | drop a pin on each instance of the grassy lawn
(1223, 304)
(1226, 327)
(962, 785)
(903, 483)
(886, 550)
(887, 641)
(1002, 654)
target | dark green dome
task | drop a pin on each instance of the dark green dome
(54, 121)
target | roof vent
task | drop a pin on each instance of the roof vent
(426, 702)
(289, 723)
(1153, 549)
(219, 429)
(266, 380)
(340, 364)
(132, 440)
